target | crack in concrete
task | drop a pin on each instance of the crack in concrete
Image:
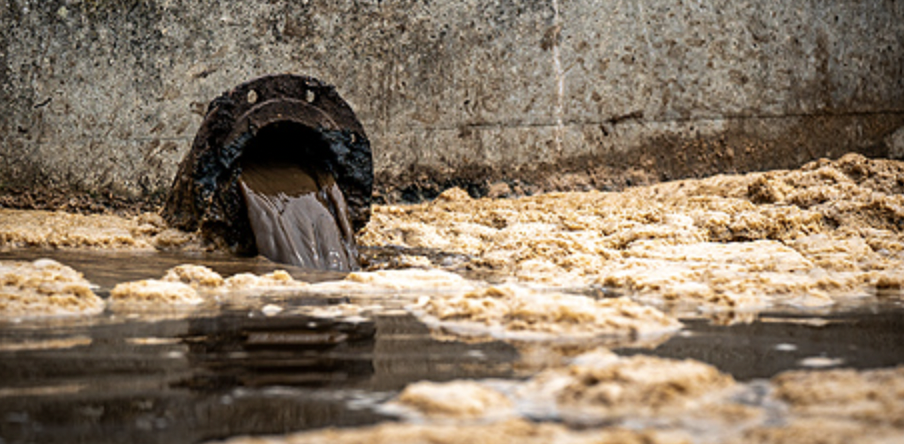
(560, 76)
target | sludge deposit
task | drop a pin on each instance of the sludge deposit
(829, 231)
(496, 280)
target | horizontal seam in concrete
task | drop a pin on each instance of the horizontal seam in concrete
(162, 139)
(129, 140)
(617, 120)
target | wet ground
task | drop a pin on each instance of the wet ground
(138, 378)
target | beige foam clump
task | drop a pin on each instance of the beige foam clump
(516, 312)
(45, 288)
(604, 385)
(744, 275)
(888, 280)
(504, 432)
(837, 253)
(836, 406)
(454, 195)
(57, 229)
(197, 276)
(828, 230)
(382, 281)
(821, 431)
(873, 396)
(457, 399)
(153, 293)
(347, 312)
(61, 230)
(189, 285)
(763, 255)
(249, 281)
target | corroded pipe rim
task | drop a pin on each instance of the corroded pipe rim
(205, 194)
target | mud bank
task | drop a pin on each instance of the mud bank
(829, 231)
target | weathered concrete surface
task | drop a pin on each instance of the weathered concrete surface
(105, 95)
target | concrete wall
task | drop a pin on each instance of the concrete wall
(106, 95)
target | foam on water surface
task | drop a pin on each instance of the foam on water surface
(791, 280)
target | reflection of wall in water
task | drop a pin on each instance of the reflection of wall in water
(748, 350)
(384, 354)
(210, 378)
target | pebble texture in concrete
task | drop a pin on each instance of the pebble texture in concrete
(106, 95)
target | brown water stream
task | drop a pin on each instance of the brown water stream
(299, 217)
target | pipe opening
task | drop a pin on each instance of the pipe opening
(295, 208)
(280, 167)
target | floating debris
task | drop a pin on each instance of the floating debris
(517, 312)
(457, 399)
(271, 310)
(820, 361)
(45, 288)
(153, 293)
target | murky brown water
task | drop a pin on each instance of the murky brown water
(299, 217)
(136, 378)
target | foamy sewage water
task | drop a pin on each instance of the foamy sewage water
(245, 369)
(790, 325)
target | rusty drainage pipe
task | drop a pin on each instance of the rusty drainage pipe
(206, 194)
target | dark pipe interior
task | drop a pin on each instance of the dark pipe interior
(296, 210)
(287, 142)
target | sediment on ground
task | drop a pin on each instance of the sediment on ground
(60, 229)
(806, 237)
